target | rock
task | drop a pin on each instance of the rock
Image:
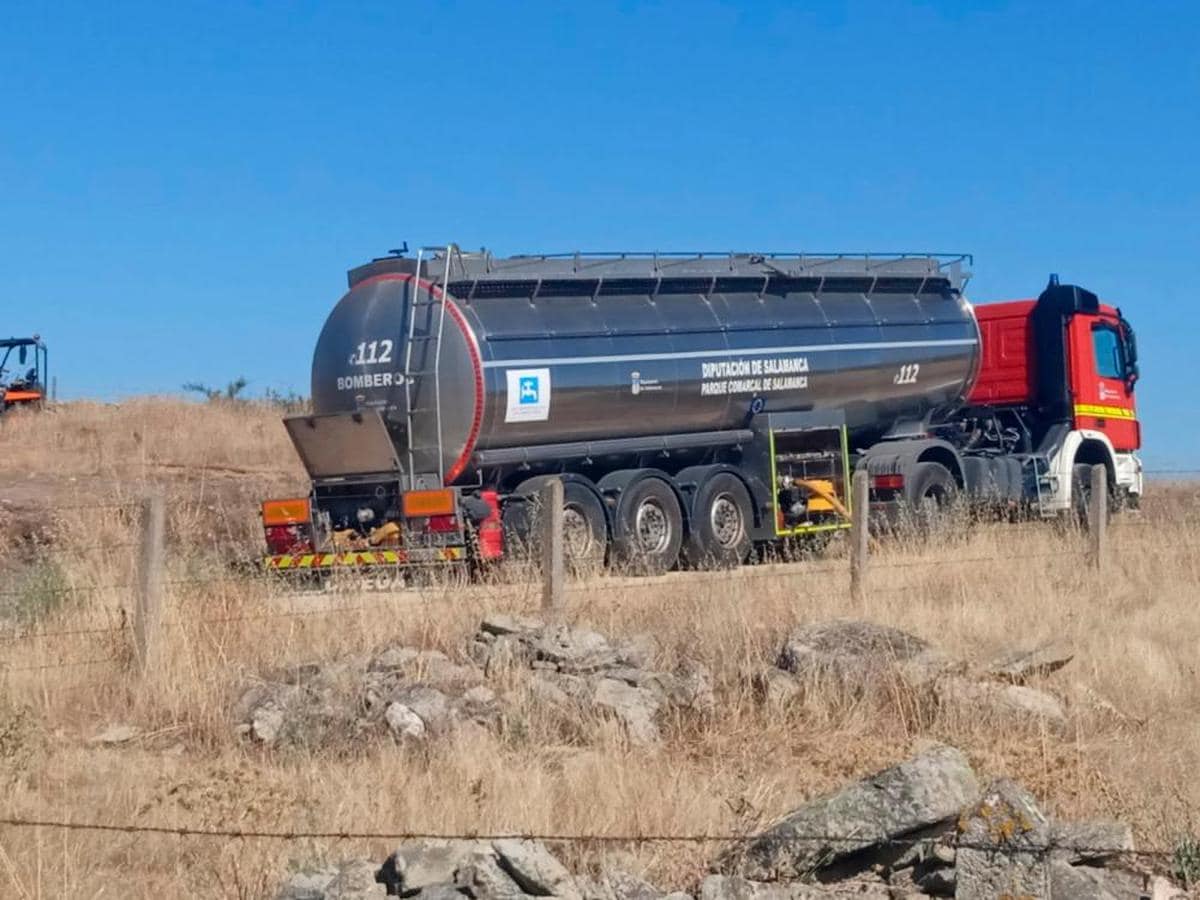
(355, 880)
(1005, 703)
(392, 658)
(481, 695)
(903, 883)
(938, 882)
(484, 879)
(777, 688)
(1002, 846)
(403, 722)
(1069, 882)
(434, 666)
(634, 707)
(547, 690)
(575, 649)
(1162, 889)
(535, 869)
(307, 885)
(266, 722)
(617, 884)
(439, 892)
(499, 624)
(735, 887)
(927, 789)
(116, 734)
(1019, 666)
(637, 652)
(858, 656)
(689, 689)
(420, 864)
(429, 703)
(1089, 842)
(502, 654)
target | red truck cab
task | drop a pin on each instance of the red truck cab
(1068, 363)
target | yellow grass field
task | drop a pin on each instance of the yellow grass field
(70, 479)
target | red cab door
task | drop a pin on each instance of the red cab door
(1102, 378)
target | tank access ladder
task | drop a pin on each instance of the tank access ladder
(435, 324)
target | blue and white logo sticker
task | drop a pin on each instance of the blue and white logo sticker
(528, 395)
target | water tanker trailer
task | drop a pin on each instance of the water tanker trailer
(695, 406)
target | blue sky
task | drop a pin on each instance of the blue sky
(183, 185)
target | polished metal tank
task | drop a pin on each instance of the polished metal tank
(544, 350)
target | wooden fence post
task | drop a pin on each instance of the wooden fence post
(550, 522)
(860, 507)
(147, 614)
(1098, 516)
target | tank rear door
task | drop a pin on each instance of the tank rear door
(343, 444)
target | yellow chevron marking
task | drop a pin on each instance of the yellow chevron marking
(351, 558)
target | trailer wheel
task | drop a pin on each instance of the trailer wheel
(585, 529)
(648, 527)
(719, 537)
(931, 491)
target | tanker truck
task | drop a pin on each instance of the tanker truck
(696, 407)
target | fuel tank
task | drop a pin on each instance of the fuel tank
(463, 354)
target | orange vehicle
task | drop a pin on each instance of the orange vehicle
(19, 385)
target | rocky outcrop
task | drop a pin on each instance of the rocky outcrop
(922, 828)
(409, 694)
(417, 695)
(860, 656)
(1003, 846)
(923, 791)
(580, 670)
(863, 659)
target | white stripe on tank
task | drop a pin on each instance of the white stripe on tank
(702, 354)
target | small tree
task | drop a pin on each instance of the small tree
(232, 391)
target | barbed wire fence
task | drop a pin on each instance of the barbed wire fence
(147, 589)
(552, 596)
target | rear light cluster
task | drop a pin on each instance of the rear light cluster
(286, 524)
(887, 482)
(441, 524)
(288, 539)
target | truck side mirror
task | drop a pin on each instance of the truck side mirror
(1130, 341)
(21, 354)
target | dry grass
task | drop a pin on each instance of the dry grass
(1132, 688)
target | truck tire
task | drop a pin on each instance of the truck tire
(1081, 496)
(648, 527)
(585, 528)
(722, 515)
(930, 491)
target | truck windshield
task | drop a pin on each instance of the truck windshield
(1110, 361)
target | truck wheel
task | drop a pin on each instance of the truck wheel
(719, 537)
(1081, 495)
(648, 527)
(931, 491)
(585, 530)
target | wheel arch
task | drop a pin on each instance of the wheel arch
(529, 488)
(899, 457)
(1081, 447)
